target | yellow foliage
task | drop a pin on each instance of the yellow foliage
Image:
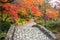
(24, 12)
(41, 2)
(39, 14)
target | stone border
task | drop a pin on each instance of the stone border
(46, 32)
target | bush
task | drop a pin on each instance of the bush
(53, 25)
(5, 26)
(2, 35)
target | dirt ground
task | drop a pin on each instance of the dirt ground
(58, 35)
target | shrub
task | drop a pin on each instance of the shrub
(53, 25)
(5, 26)
(2, 35)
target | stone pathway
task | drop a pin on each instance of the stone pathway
(26, 32)
(29, 33)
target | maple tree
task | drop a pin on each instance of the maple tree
(32, 6)
(51, 13)
(11, 9)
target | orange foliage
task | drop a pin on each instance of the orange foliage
(32, 5)
(41, 2)
(27, 3)
(12, 10)
(24, 11)
(4, 0)
(51, 10)
(36, 2)
(34, 9)
(51, 13)
(39, 14)
(6, 6)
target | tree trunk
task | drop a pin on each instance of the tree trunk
(29, 31)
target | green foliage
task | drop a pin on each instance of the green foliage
(53, 25)
(5, 22)
(2, 35)
(40, 22)
(5, 26)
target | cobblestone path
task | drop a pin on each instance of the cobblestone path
(26, 32)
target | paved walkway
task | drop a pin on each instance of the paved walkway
(26, 32)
